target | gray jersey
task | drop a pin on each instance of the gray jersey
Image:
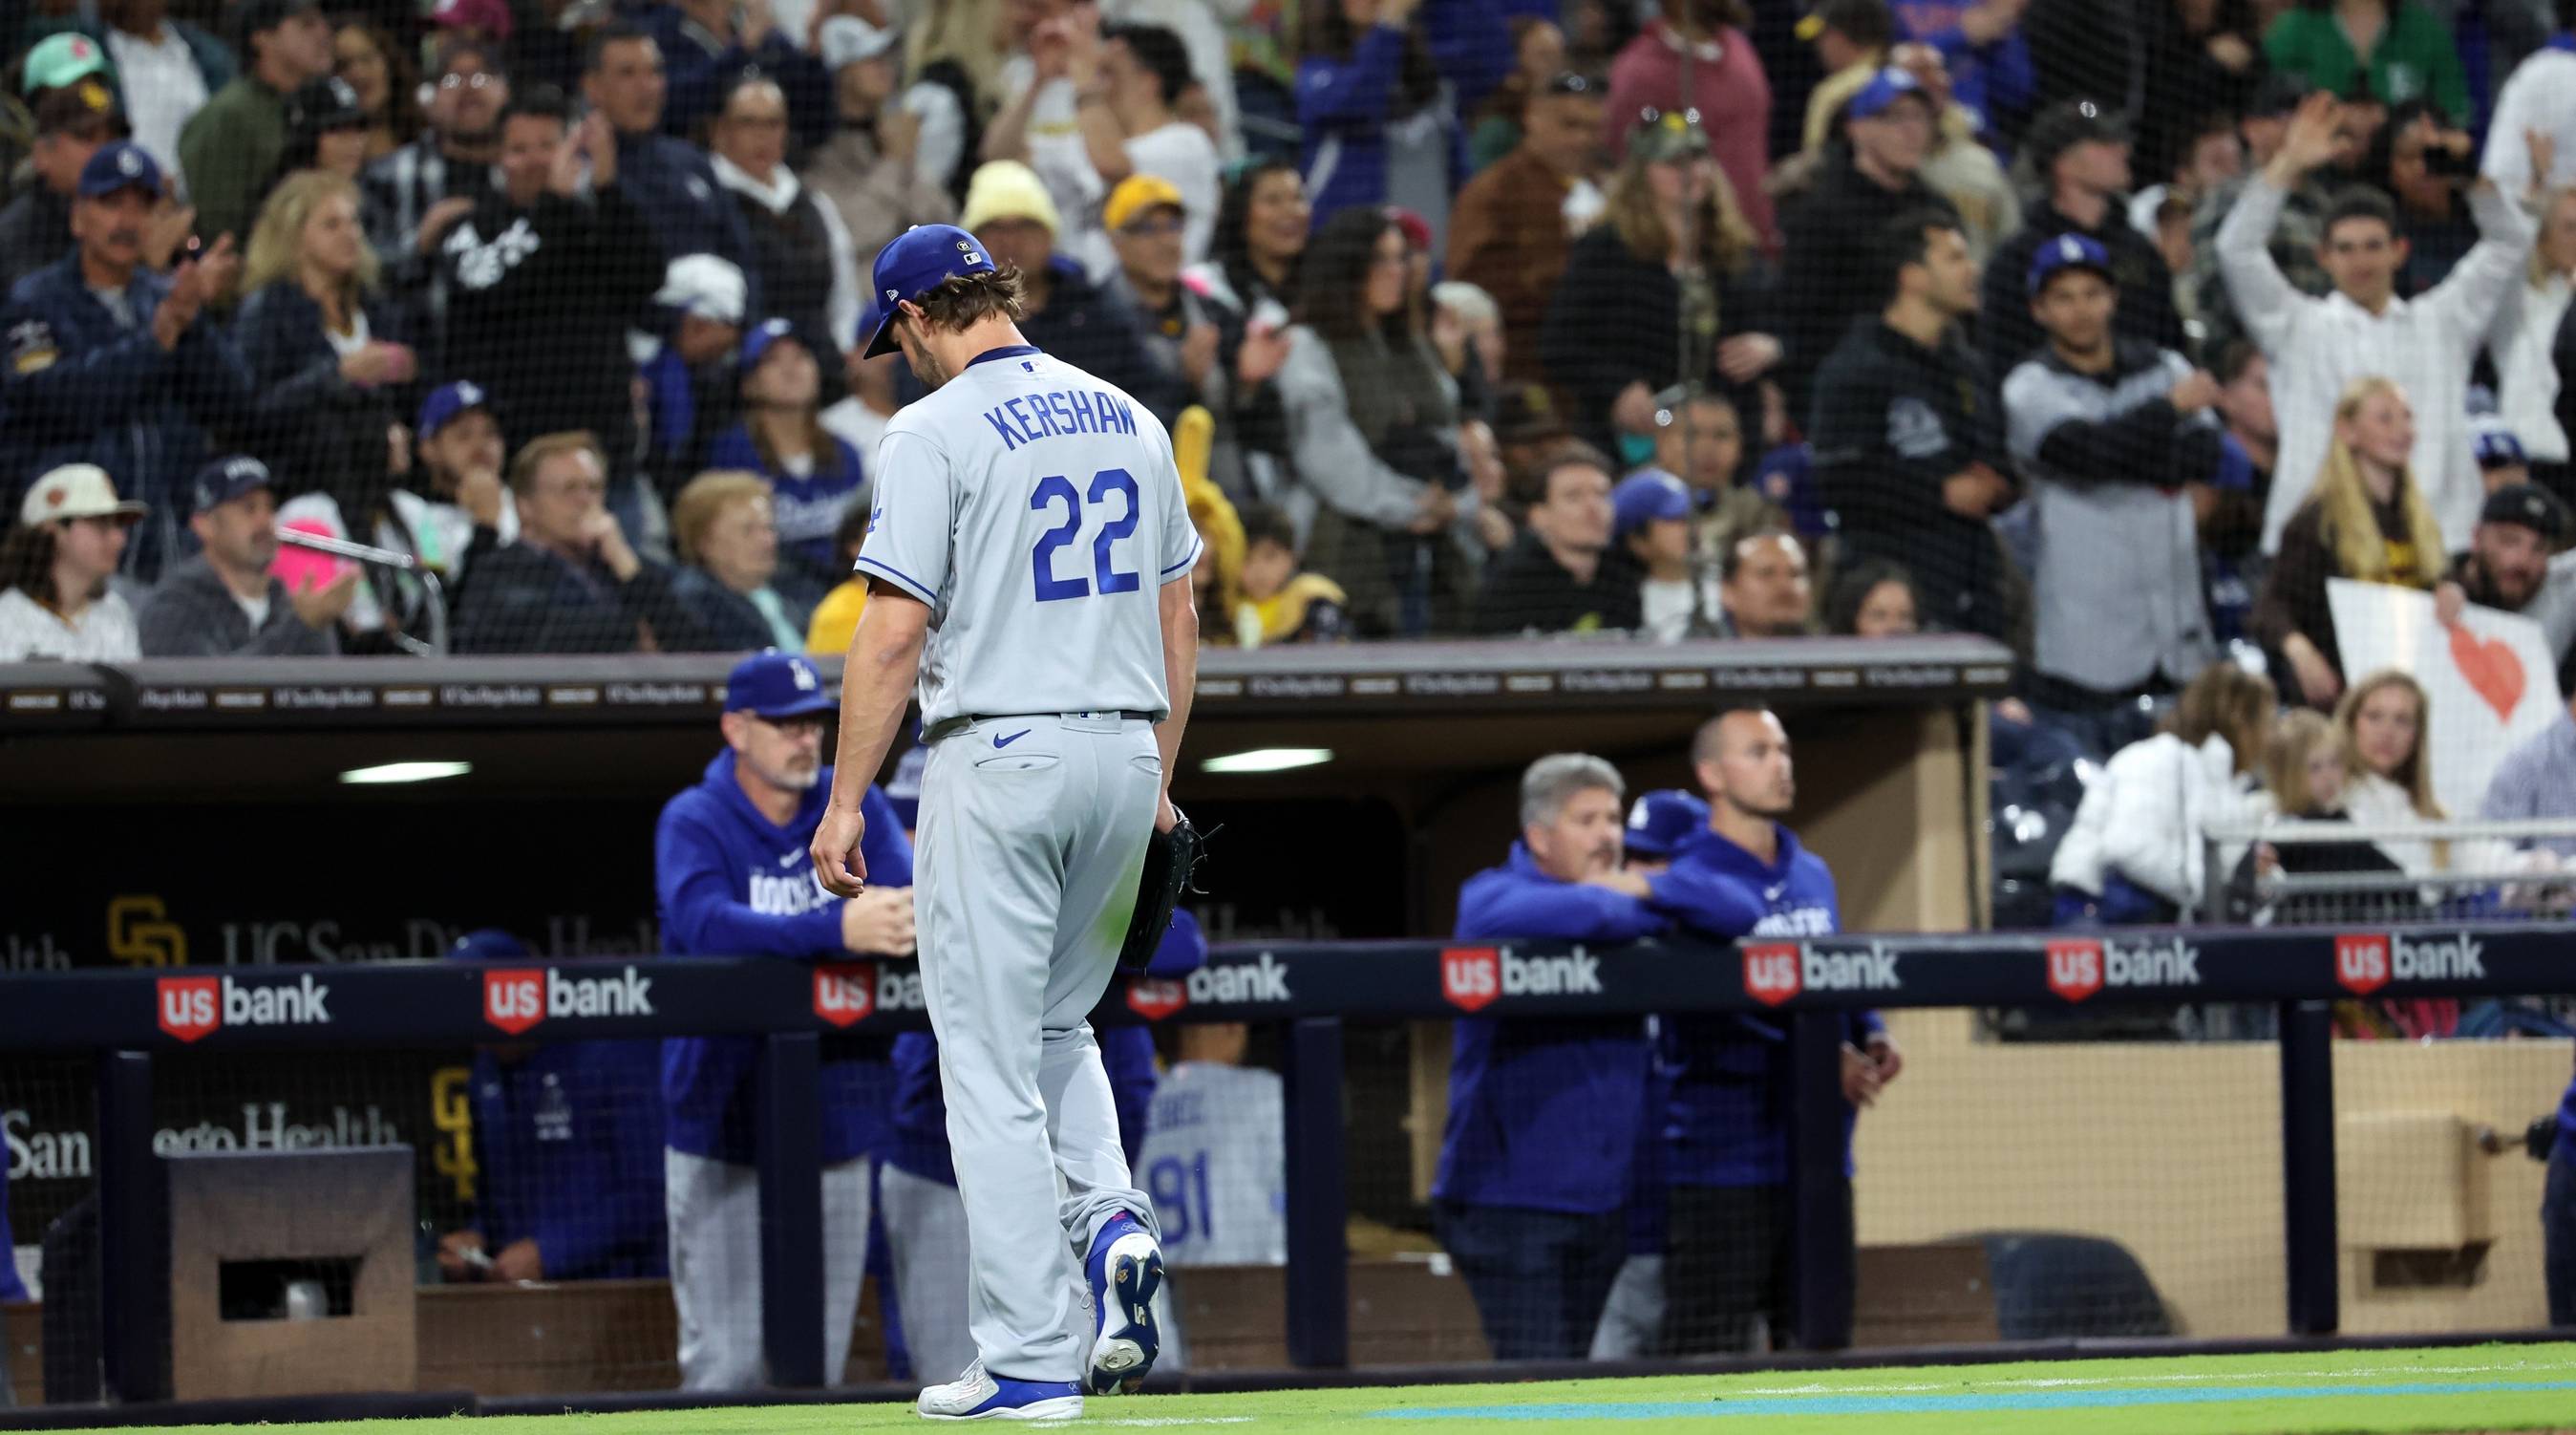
(1215, 1163)
(1038, 512)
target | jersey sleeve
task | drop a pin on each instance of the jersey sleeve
(1180, 536)
(909, 533)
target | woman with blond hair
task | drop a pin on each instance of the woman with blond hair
(727, 539)
(2307, 776)
(1659, 293)
(329, 377)
(2366, 519)
(2136, 852)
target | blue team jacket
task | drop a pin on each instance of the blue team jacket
(11, 1288)
(920, 1144)
(1544, 1114)
(732, 884)
(1727, 1123)
(2566, 1120)
(1343, 107)
(568, 1149)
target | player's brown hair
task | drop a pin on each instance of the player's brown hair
(964, 300)
(536, 452)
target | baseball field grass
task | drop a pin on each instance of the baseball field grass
(2377, 1392)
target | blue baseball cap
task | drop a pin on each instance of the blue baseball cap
(1645, 496)
(755, 345)
(775, 685)
(488, 944)
(2069, 251)
(1659, 822)
(226, 479)
(445, 403)
(1884, 89)
(2498, 448)
(120, 164)
(919, 260)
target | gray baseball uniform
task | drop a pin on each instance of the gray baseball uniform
(1038, 512)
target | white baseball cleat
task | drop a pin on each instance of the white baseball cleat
(978, 1396)
(1125, 1268)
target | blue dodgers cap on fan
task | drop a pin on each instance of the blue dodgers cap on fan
(446, 402)
(1645, 496)
(2068, 251)
(755, 345)
(120, 164)
(226, 479)
(776, 685)
(919, 260)
(1884, 89)
(1659, 822)
(489, 944)
(2498, 448)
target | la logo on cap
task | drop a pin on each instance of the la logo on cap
(129, 163)
(466, 393)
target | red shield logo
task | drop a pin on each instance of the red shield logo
(2075, 968)
(845, 992)
(1471, 977)
(189, 1007)
(514, 999)
(2361, 961)
(1771, 971)
(1156, 998)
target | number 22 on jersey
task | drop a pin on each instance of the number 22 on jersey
(1108, 485)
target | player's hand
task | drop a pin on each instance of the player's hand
(1166, 816)
(518, 1261)
(879, 923)
(461, 1258)
(1890, 1058)
(1861, 1079)
(838, 864)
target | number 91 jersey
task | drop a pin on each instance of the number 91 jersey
(1038, 512)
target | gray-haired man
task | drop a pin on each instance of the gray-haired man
(1543, 1115)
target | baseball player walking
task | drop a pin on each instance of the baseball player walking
(1029, 562)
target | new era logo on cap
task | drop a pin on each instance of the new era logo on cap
(919, 260)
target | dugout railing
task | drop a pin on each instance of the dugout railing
(127, 1019)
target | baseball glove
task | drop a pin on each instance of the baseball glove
(1171, 869)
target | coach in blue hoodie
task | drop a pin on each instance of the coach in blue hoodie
(1727, 1123)
(567, 1155)
(925, 1219)
(735, 880)
(1543, 1114)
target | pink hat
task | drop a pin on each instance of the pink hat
(491, 17)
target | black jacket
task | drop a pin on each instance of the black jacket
(317, 430)
(539, 304)
(793, 253)
(1527, 590)
(193, 615)
(35, 230)
(1892, 420)
(1616, 319)
(520, 598)
(733, 622)
(2146, 311)
(1830, 265)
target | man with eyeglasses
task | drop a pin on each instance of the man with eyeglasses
(729, 869)
(1195, 341)
(571, 583)
(71, 123)
(1513, 225)
(417, 194)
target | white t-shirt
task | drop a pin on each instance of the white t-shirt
(857, 425)
(1063, 164)
(104, 632)
(1182, 153)
(163, 87)
(256, 609)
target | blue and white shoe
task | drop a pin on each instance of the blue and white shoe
(978, 1396)
(1126, 1269)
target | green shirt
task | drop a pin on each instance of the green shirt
(2414, 58)
(227, 152)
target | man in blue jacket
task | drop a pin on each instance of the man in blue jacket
(925, 1218)
(112, 364)
(1543, 1114)
(2558, 1216)
(567, 1155)
(1726, 1127)
(730, 863)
